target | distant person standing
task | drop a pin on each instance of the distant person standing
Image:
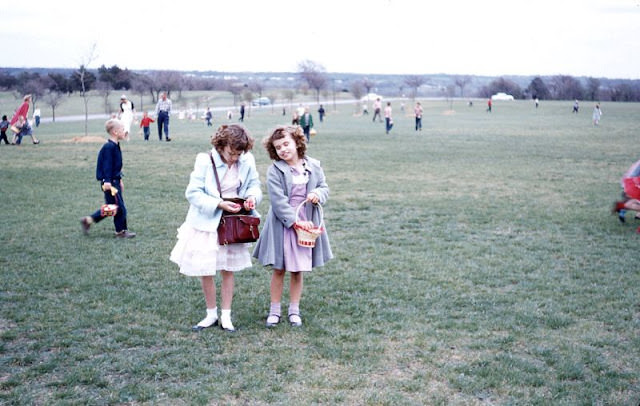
(4, 125)
(321, 113)
(418, 113)
(36, 117)
(163, 111)
(387, 117)
(126, 113)
(306, 122)
(489, 104)
(597, 114)
(208, 116)
(144, 123)
(377, 106)
(576, 106)
(537, 102)
(242, 112)
(365, 109)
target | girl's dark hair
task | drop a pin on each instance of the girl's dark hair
(235, 136)
(4, 117)
(297, 135)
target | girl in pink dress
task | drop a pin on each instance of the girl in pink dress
(292, 179)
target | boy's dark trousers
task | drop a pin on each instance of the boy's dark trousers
(120, 219)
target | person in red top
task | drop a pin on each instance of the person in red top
(489, 103)
(144, 123)
(22, 111)
(631, 195)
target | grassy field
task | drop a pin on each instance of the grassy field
(477, 263)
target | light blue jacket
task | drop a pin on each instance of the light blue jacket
(202, 191)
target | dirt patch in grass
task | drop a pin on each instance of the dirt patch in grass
(86, 139)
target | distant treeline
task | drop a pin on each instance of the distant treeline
(247, 85)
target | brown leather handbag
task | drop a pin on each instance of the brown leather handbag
(236, 228)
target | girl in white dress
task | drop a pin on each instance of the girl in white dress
(126, 113)
(197, 251)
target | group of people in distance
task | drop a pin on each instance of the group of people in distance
(162, 113)
(296, 186)
(19, 124)
(294, 181)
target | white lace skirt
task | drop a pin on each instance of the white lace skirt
(198, 253)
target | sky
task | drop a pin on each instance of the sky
(598, 38)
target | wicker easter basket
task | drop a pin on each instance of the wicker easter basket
(307, 236)
(110, 210)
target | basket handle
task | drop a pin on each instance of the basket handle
(321, 225)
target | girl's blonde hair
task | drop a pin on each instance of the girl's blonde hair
(112, 124)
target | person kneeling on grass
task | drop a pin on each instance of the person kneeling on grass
(631, 194)
(109, 173)
(24, 129)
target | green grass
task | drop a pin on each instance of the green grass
(476, 263)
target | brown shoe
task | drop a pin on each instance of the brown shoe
(125, 234)
(86, 224)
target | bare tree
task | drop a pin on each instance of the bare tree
(235, 88)
(289, 95)
(314, 75)
(565, 87)
(357, 90)
(53, 99)
(414, 82)
(140, 84)
(167, 81)
(104, 89)
(593, 88)
(247, 96)
(273, 96)
(368, 84)
(449, 94)
(256, 87)
(461, 82)
(84, 90)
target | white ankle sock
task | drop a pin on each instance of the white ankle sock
(212, 317)
(275, 309)
(225, 319)
(294, 308)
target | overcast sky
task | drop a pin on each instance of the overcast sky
(597, 38)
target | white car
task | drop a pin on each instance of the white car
(261, 101)
(501, 96)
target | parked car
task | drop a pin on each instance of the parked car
(261, 101)
(501, 96)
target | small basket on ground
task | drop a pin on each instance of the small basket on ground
(307, 236)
